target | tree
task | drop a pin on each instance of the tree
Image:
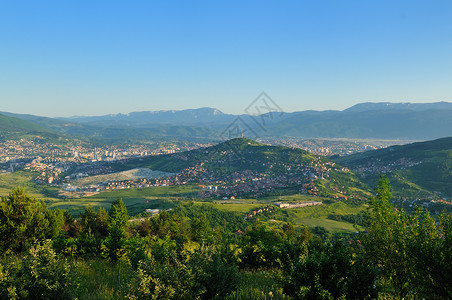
(260, 247)
(117, 220)
(200, 228)
(431, 249)
(39, 274)
(94, 231)
(328, 271)
(24, 219)
(95, 222)
(387, 240)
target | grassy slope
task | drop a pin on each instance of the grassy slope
(134, 199)
(12, 127)
(24, 180)
(310, 216)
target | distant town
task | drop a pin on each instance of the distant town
(64, 165)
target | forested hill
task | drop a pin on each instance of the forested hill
(235, 154)
(109, 133)
(11, 126)
(380, 124)
(427, 165)
(247, 167)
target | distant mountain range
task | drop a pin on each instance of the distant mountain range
(399, 106)
(415, 121)
(197, 117)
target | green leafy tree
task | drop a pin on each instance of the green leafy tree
(387, 240)
(214, 277)
(330, 272)
(94, 231)
(200, 228)
(430, 248)
(412, 251)
(23, 219)
(95, 222)
(260, 247)
(40, 274)
(202, 274)
(117, 220)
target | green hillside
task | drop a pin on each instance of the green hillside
(15, 128)
(232, 155)
(243, 163)
(111, 133)
(420, 167)
(11, 124)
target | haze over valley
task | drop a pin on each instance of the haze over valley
(229, 150)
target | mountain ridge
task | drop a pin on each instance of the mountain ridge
(410, 121)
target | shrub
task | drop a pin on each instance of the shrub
(40, 274)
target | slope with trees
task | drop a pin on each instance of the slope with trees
(421, 167)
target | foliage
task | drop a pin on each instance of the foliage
(216, 217)
(94, 230)
(117, 220)
(412, 252)
(23, 219)
(430, 248)
(386, 243)
(269, 248)
(330, 271)
(40, 274)
(202, 274)
(188, 256)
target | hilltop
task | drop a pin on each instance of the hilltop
(242, 166)
(235, 153)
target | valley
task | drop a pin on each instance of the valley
(234, 176)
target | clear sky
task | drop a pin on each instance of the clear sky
(64, 58)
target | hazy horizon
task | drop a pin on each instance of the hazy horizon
(196, 108)
(105, 57)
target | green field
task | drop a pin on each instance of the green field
(164, 197)
(136, 200)
(309, 216)
(24, 180)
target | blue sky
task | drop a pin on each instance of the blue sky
(63, 58)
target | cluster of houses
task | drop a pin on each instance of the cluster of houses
(229, 185)
(257, 212)
(27, 149)
(376, 166)
(324, 146)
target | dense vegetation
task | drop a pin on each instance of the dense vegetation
(189, 253)
(233, 155)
